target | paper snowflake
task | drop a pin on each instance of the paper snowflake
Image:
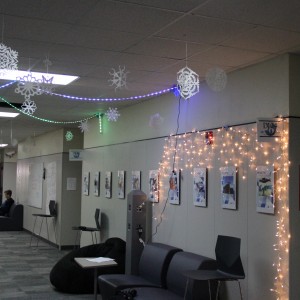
(84, 126)
(119, 78)
(187, 82)
(112, 114)
(28, 86)
(28, 107)
(155, 120)
(8, 58)
(46, 85)
(69, 136)
(216, 79)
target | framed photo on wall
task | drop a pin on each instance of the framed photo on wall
(136, 180)
(107, 186)
(97, 184)
(121, 184)
(228, 187)
(174, 187)
(86, 183)
(265, 189)
(200, 187)
(154, 185)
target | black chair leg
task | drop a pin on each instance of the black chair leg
(218, 287)
(240, 290)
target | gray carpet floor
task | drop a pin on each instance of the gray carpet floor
(24, 270)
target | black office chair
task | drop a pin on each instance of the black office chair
(229, 264)
(92, 230)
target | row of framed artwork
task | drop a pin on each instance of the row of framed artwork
(264, 186)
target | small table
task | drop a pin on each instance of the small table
(87, 264)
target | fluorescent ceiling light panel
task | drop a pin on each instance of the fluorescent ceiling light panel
(8, 114)
(3, 145)
(57, 78)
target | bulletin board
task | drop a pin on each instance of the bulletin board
(35, 185)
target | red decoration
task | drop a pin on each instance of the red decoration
(209, 137)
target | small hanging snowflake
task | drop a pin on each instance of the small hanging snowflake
(28, 86)
(46, 85)
(8, 58)
(216, 79)
(119, 78)
(69, 136)
(156, 120)
(28, 107)
(112, 114)
(84, 126)
(187, 82)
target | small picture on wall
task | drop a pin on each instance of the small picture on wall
(153, 185)
(107, 185)
(121, 184)
(136, 180)
(200, 187)
(174, 187)
(228, 187)
(86, 183)
(265, 189)
(97, 184)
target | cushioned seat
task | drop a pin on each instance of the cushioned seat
(67, 276)
(153, 267)
(14, 220)
(177, 283)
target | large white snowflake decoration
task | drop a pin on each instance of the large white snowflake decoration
(216, 79)
(84, 126)
(69, 136)
(187, 82)
(112, 114)
(119, 78)
(46, 85)
(28, 107)
(8, 58)
(28, 86)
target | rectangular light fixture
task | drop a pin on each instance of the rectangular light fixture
(57, 78)
(3, 145)
(4, 114)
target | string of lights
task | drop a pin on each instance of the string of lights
(47, 120)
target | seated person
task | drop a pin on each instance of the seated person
(6, 205)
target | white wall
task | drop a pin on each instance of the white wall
(130, 144)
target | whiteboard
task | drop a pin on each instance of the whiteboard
(35, 185)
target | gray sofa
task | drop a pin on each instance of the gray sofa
(14, 220)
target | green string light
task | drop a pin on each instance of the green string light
(100, 117)
(47, 120)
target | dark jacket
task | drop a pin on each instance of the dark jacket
(6, 205)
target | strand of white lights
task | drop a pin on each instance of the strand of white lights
(281, 280)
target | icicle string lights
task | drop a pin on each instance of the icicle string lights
(238, 146)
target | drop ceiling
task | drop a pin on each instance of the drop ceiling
(89, 38)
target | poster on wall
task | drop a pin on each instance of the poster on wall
(174, 187)
(154, 186)
(228, 187)
(268, 129)
(107, 185)
(97, 184)
(86, 183)
(121, 184)
(136, 180)
(200, 187)
(265, 189)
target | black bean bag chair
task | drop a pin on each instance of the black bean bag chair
(68, 277)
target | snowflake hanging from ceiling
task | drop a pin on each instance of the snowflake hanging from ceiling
(8, 58)
(84, 126)
(46, 85)
(112, 114)
(187, 82)
(69, 136)
(28, 107)
(156, 120)
(119, 78)
(28, 86)
(216, 79)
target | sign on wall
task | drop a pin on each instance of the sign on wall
(268, 129)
